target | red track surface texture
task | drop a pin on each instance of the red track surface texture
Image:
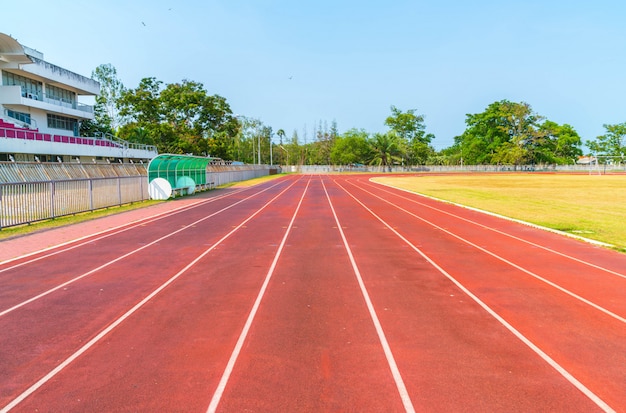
(312, 294)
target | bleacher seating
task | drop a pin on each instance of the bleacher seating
(10, 130)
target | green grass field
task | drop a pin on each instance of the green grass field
(591, 206)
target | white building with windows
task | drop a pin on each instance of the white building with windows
(40, 113)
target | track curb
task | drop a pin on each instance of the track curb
(493, 214)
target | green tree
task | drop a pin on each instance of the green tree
(320, 150)
(250, 132)
(410, 129)
(296, 154)
(111, 89)
(106, 118)
(265, 138)
(561, 144)
(281, 135)
(385, 150)
(180, 118)
(282, 154)
(350, 148)
(506, 132)
(142, 105)
(612, 143)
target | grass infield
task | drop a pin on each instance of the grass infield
(590, 206)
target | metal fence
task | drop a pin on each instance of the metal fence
(26, 202)
(220, 175)
(31, 192)
(589, 168)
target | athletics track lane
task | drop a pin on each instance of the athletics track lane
(452, 354)
(60, 323)
(99, 252)
(312, 346)
(587, 342)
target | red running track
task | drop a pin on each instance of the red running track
(315, 293)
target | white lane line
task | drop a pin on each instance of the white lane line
(130, 312)
(117, 230)
(395, 371)
(512, 264)
(566, 234)
(58, 287)
(106, 233)
(219, 391)
(561, 370)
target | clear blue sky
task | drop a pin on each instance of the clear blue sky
(293, 64)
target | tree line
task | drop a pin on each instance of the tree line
(184, 118)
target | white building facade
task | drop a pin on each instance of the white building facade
(40, 113)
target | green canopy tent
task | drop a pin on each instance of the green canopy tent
(169, 174)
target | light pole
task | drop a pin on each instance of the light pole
(286, 152)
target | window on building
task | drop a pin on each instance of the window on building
(62, 122)
(62, 95)
(22, 117)
(30, 88)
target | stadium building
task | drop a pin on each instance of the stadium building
(41, 113)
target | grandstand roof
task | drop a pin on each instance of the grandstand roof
(11, 51)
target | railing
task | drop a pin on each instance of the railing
(24, 201)
(27, 202)
(101, 140)
(221, 175)
(593, 168)
(21, 121)
(124, 144)
(68, 104)
(53, 100)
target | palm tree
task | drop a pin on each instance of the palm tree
(281, 135)
(385, 150)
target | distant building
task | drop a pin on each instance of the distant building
(40, 113)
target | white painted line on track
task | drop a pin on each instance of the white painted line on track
(512, 264)
(395, 371)
(518, 221)
(130, 312)
(219, 391)
(65, 284)
(115, 230)
(561, 370)
(566, 234)
(107, 233)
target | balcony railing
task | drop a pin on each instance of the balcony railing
(13, 97)
(102, 140)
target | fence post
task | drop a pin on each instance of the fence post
(1, 206)
(119, 191)
(90, 194)
(52, 189)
